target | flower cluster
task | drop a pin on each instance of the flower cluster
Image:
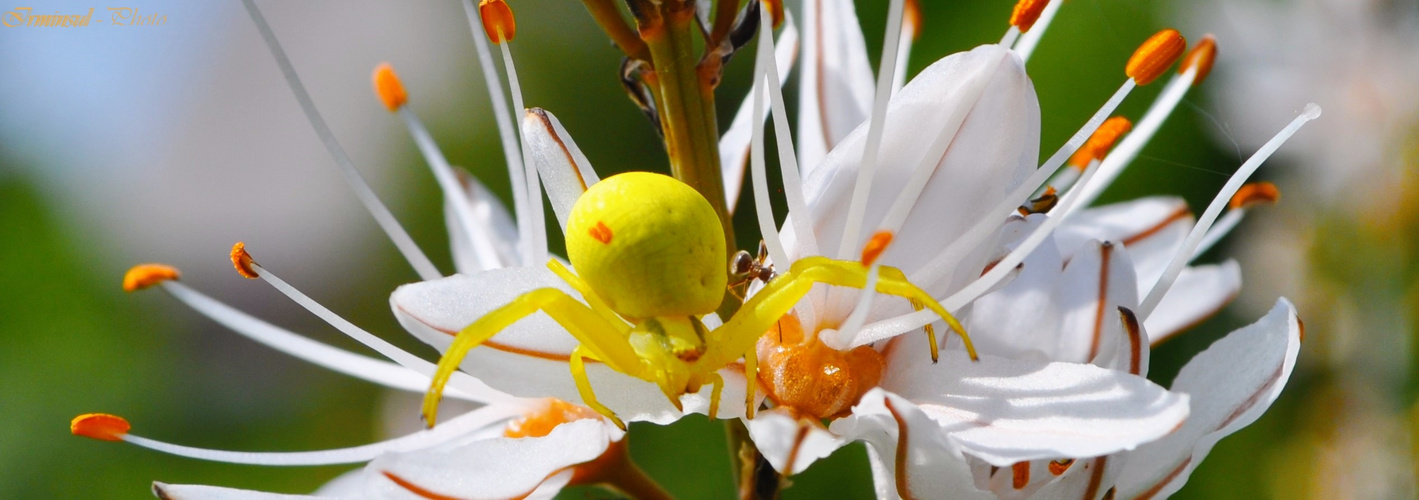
(1042, 391)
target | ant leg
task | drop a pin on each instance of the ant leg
(583, 386)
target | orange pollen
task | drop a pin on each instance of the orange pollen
(1155, 56)
(242, 261)
(1058, 467)
(498, 22)
(145, 275)
(1256, 192)
(388, 88)
(875, 247)
(1099, 144)
(1202, 55)
(815, 380)
(1026, 13)
(775, 11)
(600, 232)
(101, 426)
(540, 423)
(1021, 472)
(911, 16)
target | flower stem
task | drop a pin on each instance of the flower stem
(616, 470)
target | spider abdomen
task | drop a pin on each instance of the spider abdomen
(648, 245)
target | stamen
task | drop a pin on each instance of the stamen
(875, 247)
(391, 91)
(1098, 144)
(395, 354)
(100, 426)
(763, 207)
(145, 275)
(112, 428)
(511, 151)
(858, 206)
(842, 340)
(1249, 195)
(1234, 184)
(339, 360)
(911, 21)
(388, 87)
(1155, 56)
(775, 9)
(807, 242)
(498, 22)
(534, 244)
(242, 261)
(1027, 42)
(382, 216)
(1201, 57)
(1026, 13)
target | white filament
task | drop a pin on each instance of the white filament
(511, 151)
(1027, 42)
(763, 208)
(467, 423)
(1128, 148)
(535, 249)
(1219, 230)
(452, 191)
(460, 380)
(1011, 34)
(788, 160)
(420, 262)
(1189, 246)
(843, 339)
(904, 51)
(858, 207)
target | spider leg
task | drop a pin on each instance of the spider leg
(716, 388)
(584, 289)
(896, 274)
(779, 296)
(603, 340)
(583, 386)
(751, 381)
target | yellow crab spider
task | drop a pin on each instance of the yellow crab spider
(651, 256)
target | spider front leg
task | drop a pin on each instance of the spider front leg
(783, 293)
(603, 340)
(583, 387)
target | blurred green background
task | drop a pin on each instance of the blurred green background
(168, 143)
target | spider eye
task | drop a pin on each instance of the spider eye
(649, 246)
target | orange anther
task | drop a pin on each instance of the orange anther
(242, 261)
(388, 88)
(600, 232)
(1026, 13)
(911, 16)
(1256, 192)
(875, 247)
(1021, 475)
(1099, 144)
(498, 22)
(145, 275)
(1155, 56)
(1202, 55)
(1058, 467)
(541, 422)
(775, 11)
(100, 426)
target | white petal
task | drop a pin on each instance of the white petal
(734, 143)
(1021, 320)
(931, 465)
(1006, 411)
(1232, 383)
(499, 230)
(1199, 292)
(493, 468)
(1096, 282)
(836, 91)
(348, 485)
(199, 492)
(782, 439)
(565, 171)
(530, 357)
(1152, 228)
(981, 164)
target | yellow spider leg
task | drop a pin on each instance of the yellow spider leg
(583, 386)
(584, 289)
(716, 388)
(605, 341)
(760, 312)
(751, 381)
(896, 274)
